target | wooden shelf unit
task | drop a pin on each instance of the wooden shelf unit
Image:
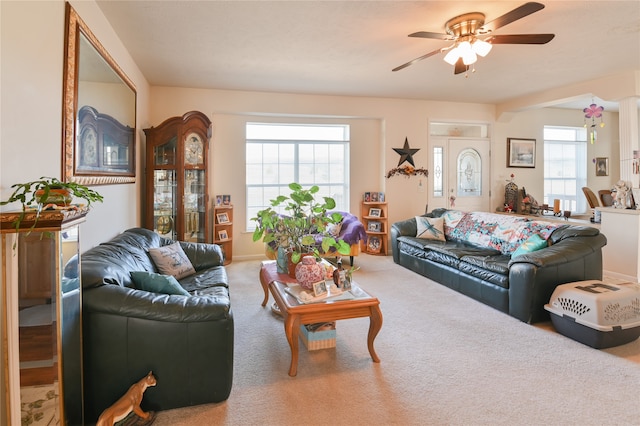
(225, 244)
(379, 235)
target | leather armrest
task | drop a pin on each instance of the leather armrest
(399, 229)
(129, 302)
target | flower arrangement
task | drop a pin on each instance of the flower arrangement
(407, 171)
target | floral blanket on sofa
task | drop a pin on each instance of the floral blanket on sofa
(501, 232)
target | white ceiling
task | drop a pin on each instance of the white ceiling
(350, 47)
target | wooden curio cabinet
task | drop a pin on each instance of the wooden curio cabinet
(176, 195)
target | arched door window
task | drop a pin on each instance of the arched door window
(469, 173)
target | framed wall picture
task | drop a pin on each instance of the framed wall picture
(602, 166)
(374, 245)
(521, 152)
(375, 212)
(223, 235)
(222, 218)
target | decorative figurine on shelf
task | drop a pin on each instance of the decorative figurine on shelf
(622, 197)
(129, 402)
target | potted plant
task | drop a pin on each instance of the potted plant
(38, 194)
(305, 218)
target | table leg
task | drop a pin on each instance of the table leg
(265, 287)
(292, 331)
(375, 324)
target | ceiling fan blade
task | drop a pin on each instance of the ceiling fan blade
(521, 39)
(460, 67)
(509, 17)
(427, 34)
(435, 52)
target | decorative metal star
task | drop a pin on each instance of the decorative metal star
(406, 153)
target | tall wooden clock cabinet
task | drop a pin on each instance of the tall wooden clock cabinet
(176, 194)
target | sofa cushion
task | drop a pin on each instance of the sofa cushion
(493, 268)
(533, 243)
(171, 260)
(157, 283)
(430, 228)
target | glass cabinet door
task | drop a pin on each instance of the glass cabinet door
(42, 299)
(194, 206)
(164, 203)
(165, 154)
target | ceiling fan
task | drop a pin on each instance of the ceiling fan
(465, 32)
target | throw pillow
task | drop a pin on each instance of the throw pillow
(334, 229)
(430, 228)
(171, 260)
(157, 283)
(534, 243)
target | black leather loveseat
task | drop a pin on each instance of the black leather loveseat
(476, 256)
(186, 340)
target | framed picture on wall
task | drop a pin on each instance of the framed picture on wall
(521, 152)
(602, 166)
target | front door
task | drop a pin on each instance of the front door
(460, 178)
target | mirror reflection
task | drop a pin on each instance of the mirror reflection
(99, 146)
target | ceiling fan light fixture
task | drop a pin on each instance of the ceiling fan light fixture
(452, 56)
(481, 48)
(466, 53)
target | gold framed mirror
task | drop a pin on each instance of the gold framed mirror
(99, 111)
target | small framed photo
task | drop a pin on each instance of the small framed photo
(374, 197)
(218, 200)
(222, 218)
(367, 197)
(381, 197)
(374, 226)
(521, 152)
(375, 212)
(602, 166)
(226, 200)
(319, 288)
(223, 235)
(374, 245)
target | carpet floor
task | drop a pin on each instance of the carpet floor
(445, 360)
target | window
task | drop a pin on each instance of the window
(565, 167)
(278, 154)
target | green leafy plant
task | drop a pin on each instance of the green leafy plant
(34, 194)
(303, 220)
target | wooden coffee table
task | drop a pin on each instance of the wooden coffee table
(295, 314)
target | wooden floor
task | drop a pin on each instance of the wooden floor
(37, 343)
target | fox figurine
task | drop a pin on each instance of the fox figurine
(129, 402)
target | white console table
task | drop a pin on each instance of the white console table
(620, 255)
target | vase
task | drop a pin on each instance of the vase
(308, 272)
(59, 197)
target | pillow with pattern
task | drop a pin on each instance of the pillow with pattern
(430, 228)
(171, 260)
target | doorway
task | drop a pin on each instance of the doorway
(460, 177)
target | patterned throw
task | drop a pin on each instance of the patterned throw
(504, 233)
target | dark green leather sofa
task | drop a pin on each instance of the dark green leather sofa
(519, 286)
(187, 341)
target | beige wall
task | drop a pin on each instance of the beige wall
(377, 126)
(30, 135)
